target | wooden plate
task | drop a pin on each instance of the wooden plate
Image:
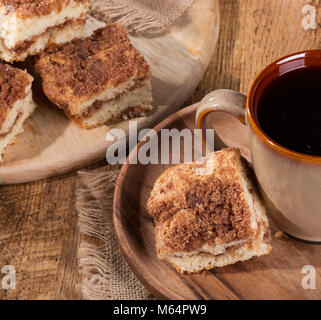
(52, 144)
(276, 276)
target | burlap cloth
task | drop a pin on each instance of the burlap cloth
(149, 16)
(104, 272)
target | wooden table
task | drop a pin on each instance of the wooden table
(38, 220)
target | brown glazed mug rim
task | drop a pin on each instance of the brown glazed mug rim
(274, 70)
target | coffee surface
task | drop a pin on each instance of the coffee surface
(289, 110)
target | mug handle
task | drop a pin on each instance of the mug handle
(231, 102)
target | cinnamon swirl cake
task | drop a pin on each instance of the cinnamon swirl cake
(98, 78)
(211, 220)
(16, 104)
(29, 26)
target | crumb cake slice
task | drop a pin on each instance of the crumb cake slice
(98, 78)
(16, 104)
(212, 220)
(28, 26)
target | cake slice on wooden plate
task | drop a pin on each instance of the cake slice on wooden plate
(16, 103)
(98, 78)
(208, 220)
(29, 26)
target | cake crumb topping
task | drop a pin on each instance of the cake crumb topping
(13, 84)
(35, 8)
(82, 69)
(191, 210)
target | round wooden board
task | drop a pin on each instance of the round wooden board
(51, 144)
(276, 276)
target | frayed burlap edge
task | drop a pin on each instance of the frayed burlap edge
(140, 16)
(104, 273)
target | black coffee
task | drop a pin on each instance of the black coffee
(289, 110)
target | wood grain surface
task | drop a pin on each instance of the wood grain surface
(38, 220)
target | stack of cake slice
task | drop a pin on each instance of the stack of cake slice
(98, 78)
(94, 79)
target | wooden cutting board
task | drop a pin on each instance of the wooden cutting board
(51, 144)
(276, 276)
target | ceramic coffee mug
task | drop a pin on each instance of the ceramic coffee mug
(290, 182)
